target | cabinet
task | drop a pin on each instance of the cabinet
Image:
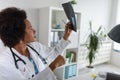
(51, 29)
(103, 55)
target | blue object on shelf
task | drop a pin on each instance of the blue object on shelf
(70, 71)
(58, 26)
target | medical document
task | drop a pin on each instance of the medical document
(46, 74)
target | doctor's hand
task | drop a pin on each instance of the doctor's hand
(67, 31)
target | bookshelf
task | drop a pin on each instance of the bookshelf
(71, 55)
(51, 29)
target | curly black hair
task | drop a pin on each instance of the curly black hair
(12, 26)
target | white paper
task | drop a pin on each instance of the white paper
(46, 74)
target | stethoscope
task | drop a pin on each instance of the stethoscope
(19, 59)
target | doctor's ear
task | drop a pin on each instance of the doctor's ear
(21, 42)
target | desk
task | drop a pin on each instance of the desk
(85, 74)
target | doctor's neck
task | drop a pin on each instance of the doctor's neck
(22, 49)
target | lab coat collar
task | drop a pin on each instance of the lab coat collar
(17, 53)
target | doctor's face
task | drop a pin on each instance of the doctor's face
(29, 32)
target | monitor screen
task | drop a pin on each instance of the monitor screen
(70, 14)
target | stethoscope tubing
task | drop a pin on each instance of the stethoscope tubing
(20, 59)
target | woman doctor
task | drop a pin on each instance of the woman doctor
(24, 58)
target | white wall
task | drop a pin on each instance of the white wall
(99, 11)
(27, 3)
(114, 11)
(32, 15)
(115, 58)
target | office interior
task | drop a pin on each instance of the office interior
(99, 12)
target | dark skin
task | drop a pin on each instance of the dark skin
(30, 36)
(67, 31)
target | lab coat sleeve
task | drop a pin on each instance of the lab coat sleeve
(50, 53)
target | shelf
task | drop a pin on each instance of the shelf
(55, 36)
(52, 30)
(59, 19)
(56, 30)
(71, 56)
(67, 64)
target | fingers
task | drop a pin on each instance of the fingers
(68, 25)
(67, 31)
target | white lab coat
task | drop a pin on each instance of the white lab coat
(8, 70)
